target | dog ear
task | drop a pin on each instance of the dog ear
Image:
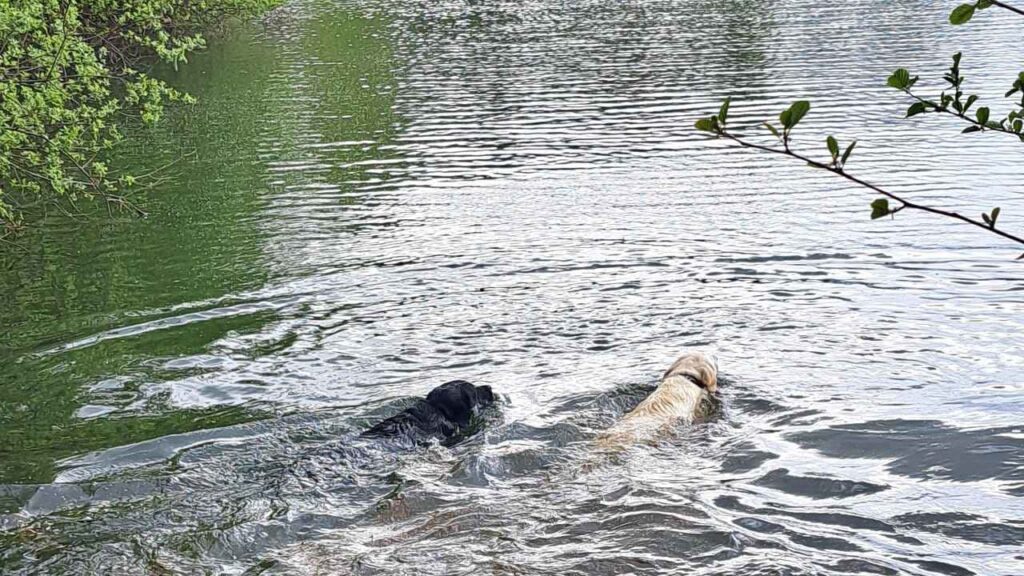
(709, 376)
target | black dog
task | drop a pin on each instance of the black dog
(446, 414)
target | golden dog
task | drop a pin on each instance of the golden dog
(679, 397)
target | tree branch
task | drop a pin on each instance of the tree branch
(904, 203)
(1007, 7)
(935, 108)
(63, 42)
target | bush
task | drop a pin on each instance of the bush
(70, 69)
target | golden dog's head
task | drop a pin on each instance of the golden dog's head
(703, 367)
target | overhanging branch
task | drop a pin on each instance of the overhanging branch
(903, 202)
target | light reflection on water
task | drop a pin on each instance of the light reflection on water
(512, 193)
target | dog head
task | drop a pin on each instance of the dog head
(459, 400)
(703, 367)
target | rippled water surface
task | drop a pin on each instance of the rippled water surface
(374, 197)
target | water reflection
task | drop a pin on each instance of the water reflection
(384, 196)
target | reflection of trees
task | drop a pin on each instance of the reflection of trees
(315, 88)
(339, 119)
(542, 83)
(77, 279)
(511, 41)
(332, 138)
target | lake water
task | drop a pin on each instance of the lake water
(371, 198)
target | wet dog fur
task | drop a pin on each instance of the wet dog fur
(683, 391)
(447, 413)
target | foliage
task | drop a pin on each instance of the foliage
(70, 70)
(953, 101)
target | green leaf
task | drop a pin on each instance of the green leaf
(773, 130)
(982, 114)
(970, 129)
(962, 14)
(995, 215)
(849, 150)
(707, 125)
(900, 79)
(986, 219)
(786, 119)
(723, 112)
(917, 108)
(879, 208)
(797, 111)
(982, 4)
(970, 102)
(833, 147)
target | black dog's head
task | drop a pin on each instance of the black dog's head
(459, 400)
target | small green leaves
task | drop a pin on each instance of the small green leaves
(833, 148)
(901, 80)
(723, 112)
(917, 108)
(962, 14)
(953, 76)
(879, 208)
(786, 118)
(773, 130)
(1017, 86)
(849, 150)
(709, 124)
(991, 218)
(982, 114)
(794, 114)
(715, 124)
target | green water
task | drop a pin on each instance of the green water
(68, 279)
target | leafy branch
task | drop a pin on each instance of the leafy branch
(952, 101)
(955, 104)
(963, 13)
(717, 125)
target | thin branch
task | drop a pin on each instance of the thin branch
(124, 204)
(1007, 7)
(904, 203)
(4, 240)
(63, 42)
(934, 108)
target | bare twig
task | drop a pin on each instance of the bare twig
(124, 204)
